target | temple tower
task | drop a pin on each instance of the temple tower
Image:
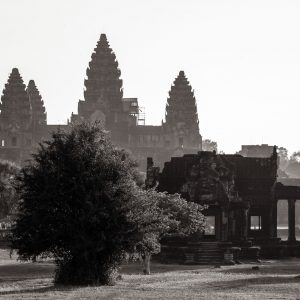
(15, 120)
(15, 104)
(182, 122)
(39, 116)
(103, 87)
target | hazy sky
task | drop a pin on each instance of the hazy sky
(241, 57)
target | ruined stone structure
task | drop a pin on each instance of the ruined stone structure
(24, 123)
(241, 194)
(263, 150)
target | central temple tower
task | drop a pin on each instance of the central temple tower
(103, 87)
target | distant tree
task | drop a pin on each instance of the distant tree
(8, 197)
(160, 215)
(295, 156)
(293, 166)
(209, 145)
(283, 157)
(75, 205)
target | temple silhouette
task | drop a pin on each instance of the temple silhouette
(23, 118)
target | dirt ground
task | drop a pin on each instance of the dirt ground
(273, 280)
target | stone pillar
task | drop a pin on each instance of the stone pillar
(291, 210)
(273, 221)
(224, 222)
(245, 224)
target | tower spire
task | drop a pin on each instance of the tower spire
(181, 104)
(181, 114)
(39, 116)
(15, 104)
(103, 86)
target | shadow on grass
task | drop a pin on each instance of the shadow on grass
(20, 271)
(136, 268)
(242, 283)
(291, 267)
(45, 289)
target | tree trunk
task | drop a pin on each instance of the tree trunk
(146, 263)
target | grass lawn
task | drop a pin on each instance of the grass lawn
(274, 280)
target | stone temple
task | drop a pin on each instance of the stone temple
(23, 119)
(241, 195)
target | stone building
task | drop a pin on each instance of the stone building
(263, 150)
(23, 118)
(241, 194)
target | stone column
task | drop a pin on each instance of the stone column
(291, 210)
(224, 222)
(273, 221)
(245, 224)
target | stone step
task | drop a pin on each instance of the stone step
(208, 260)
(207, 243)
(208, 249)
(209, 256)
(207, 246)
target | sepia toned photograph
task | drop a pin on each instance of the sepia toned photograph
(149, 149)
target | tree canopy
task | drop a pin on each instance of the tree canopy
(209, 145)
(161, 214)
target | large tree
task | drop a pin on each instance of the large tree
(75, 202)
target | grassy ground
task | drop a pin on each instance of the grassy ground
(274, 280)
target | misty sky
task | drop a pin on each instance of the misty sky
(241, 57)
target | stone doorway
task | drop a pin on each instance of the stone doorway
(210, 229)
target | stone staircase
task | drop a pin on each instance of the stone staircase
(205, 253)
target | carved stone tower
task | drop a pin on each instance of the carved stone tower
(103, 87)
(39, 116)
(15, 104)
(182, 122)
(15, 119)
